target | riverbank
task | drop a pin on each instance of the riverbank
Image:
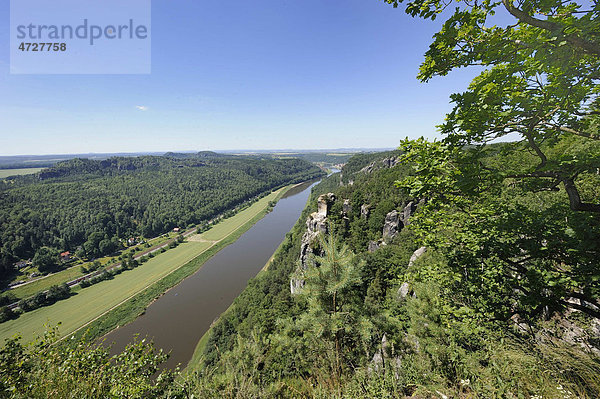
(109, 304)
(196, 359)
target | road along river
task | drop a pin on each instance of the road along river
(177, 320)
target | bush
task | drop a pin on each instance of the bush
(6, 314)
(7, 299)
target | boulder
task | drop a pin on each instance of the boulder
(416, 255)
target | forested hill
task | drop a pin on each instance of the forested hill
(91, 204)
(378, 293)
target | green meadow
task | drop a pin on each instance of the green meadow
(17, 172)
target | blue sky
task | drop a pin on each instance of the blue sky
(266, 74)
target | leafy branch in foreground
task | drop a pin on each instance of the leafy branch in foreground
(539, 85)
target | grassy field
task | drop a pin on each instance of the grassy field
(90, 302)
(17, 172)
(110, 303)
(228, 226)
(72, 273)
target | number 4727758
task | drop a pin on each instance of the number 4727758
(43, 47)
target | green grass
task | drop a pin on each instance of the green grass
(227, 226)
(91, 302)
(72, 273)
(108, 304)
(18, 172)
(45, 283)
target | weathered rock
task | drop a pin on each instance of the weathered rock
(346, 207)
(390, 162)
(364, 211)
(407, 212)
(296, 286)
(316, 224)
(416, 255)
(324, 203)
(368, 169)
(403, 290)
(382, 352)
(392, 225)
(373, 246)
(382, 164)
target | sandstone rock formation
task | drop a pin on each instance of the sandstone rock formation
(364, 211)
(381, 164)
(392, 225)
(316, 224)
(416, 255)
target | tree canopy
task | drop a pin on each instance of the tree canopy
(539, 85)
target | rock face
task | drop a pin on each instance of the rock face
(394, 221)
(324, 202)
(364, 211)
(407, 213)
(403, 290)
(392, 225)
(382, 164)
(316, 224)
(416, 255)
(373, 246)
(346, 207)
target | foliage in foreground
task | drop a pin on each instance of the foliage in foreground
(77, 369)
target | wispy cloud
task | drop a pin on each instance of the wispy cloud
(141, 107)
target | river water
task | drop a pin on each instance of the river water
(177, 320)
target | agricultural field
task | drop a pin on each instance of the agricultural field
(18, 172)
(227, 226)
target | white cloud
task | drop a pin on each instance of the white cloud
(142, 107)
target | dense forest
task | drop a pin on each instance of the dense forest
(87, 206)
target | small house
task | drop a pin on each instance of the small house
(176, 230)
(65, 256)
(22, 264)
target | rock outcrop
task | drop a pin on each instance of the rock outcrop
(407, 213)
(316, 224)
(392, 225)
(381, 164)
(403, 290)
(373, 246)
(346, 207)
(364, 211)
(416, 255)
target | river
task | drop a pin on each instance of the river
(177, 320)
